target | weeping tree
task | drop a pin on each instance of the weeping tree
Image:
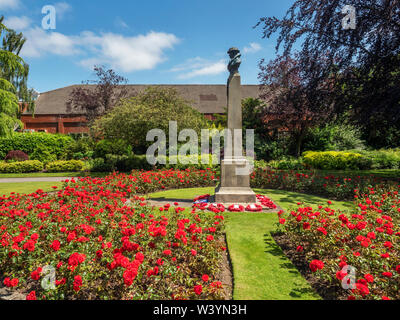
(10, 64)
(364, 53)
(13, 42)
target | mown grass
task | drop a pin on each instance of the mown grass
(52, 174)
(26, 187)
(261, 270)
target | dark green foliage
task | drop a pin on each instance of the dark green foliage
(29, 142)
(333, 137)
(115, 147)
(79, 149)
(43, 154)
(133, 118)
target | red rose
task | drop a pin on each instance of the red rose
(55, 245)
(198, 289)
(77, 283)
(29, 245)
(316, 265)
(369, 278)
(31, 296)
(205, 278)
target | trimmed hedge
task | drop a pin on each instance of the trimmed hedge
(29, 142)
(336, 160)
(65, 166)
(125, 163)
(21, 167)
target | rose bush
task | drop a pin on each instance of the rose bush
(367, 240)
(337, 187)
(102, 246)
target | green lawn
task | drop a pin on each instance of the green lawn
(51, 174)
(261, 270)
(26, 187)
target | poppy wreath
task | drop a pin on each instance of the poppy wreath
(254, 208)
(216, 208)
(266, 202)
(236, 208)
(202, 197)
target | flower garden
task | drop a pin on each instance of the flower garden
(105, 241)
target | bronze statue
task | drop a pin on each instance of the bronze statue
(234, 64)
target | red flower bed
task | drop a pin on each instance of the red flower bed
(364, 244)
(338, 187)
(100, 248)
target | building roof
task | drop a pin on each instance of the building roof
(207, 99)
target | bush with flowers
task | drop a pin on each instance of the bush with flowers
(334, 187)
(103, 247)
(367, 239)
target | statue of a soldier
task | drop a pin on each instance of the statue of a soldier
(234, 64)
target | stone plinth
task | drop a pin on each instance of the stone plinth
(234, 185)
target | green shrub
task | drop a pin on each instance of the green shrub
(65, 166)
(336, 160)
(334, 137)
(116, 147)
(287, 164)
(99, 165)
(28, 143)
(21, 167)
(80, 149)
(383, 159)
(124, 163)
(43, 154)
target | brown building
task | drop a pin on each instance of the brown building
(53, 115)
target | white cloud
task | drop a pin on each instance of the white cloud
(17, 23)
(9, 4)
(61, 9)
(252, 48)
(39, 43)
(127, 54)
(197, 67)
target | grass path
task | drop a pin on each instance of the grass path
(261, 270)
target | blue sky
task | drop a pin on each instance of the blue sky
(148, 42)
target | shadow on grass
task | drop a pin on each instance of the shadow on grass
(274, 249)
(289, 199)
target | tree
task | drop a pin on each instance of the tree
(13, 42)
(292, 101)
(10, 64)
(366, 59)
(102, 97)
(133, 118)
